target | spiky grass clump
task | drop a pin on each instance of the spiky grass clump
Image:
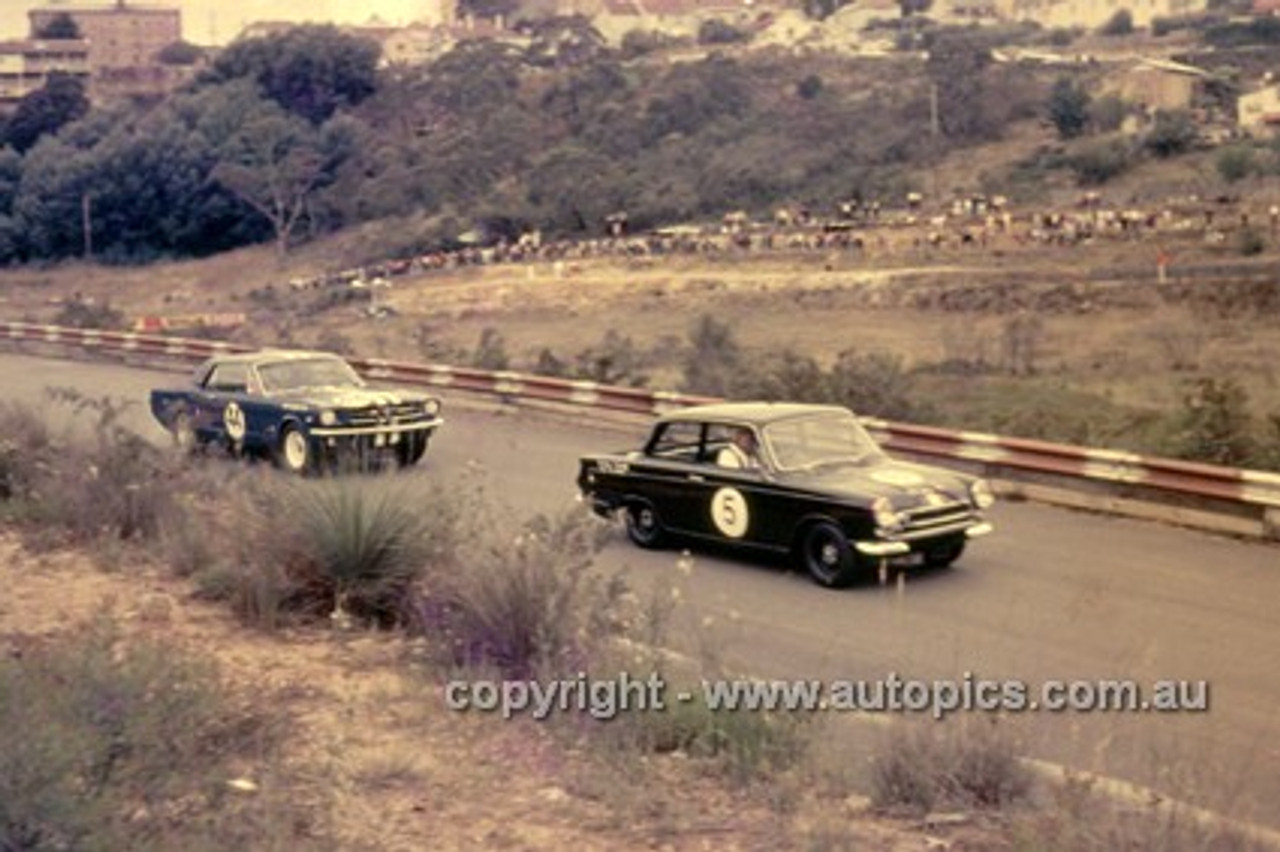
(345, 548)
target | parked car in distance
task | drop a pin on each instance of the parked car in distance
(304, 410)
(806, 480)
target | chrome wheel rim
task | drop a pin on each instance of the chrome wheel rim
(295, 450)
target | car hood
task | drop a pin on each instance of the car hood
(348, 397)
(907, 485)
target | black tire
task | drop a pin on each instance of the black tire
(411, 448)
(293, 452)
(644, 527)
(827, 556)
(944, 554)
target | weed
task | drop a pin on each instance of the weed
(972, 765)
(529, 605)
(118, 743)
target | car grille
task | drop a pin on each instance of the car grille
(936, 520)
(383, 415)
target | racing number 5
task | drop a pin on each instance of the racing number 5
(729, 512)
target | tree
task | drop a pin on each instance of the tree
(273, 163)
(564, 41)
(60, 26)
(957, 64)
(1174, 133)
(1068, 108)
(1119, 24)
(60, 101)
(180, 53)
(312, 71)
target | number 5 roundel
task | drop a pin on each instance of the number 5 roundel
(729, 512)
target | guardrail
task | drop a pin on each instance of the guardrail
(1242, 501)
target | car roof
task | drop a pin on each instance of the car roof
(751, 413)
(267, 356)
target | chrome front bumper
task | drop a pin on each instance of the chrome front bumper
(882, 549)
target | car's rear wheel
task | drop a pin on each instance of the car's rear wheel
(293, 453)
(943, 555)
(184, 432)
(644, 527)
(411, 448)
(827, 555)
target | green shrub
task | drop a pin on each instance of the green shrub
(1107, 113)
(528, 604)
(744, 746)
(712, 359)
(99, 480)
(960, 765)
(1215, 425)
(1174, 132)
(86, 313)
(1098, 164)
(1119, 24)
(114, 743)
(1235, 164)
(1251, 242)
(491, 351)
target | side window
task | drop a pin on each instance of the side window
(677, 441)
(228, 378)
(719, 436)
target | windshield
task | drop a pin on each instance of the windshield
(809, 442)
(311, 373)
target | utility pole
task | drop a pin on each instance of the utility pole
(86, 225)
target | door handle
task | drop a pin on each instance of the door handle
(697, 477)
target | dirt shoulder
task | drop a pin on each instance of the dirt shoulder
(370, 736)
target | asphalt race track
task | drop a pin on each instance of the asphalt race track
(1052, 595)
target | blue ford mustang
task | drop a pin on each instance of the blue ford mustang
(303, 410)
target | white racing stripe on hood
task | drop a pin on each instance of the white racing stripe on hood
(901, 478)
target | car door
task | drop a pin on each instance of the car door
(227, 407)
(729, 499)
(668, 475)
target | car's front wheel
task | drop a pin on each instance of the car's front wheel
(827, 555)
(942, 555)
(411, 448)
(644, 528)
(293, 453)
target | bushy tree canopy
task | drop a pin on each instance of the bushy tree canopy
(61, 100)
(311, 71)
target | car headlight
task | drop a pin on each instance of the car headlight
(328, 418)
(884, 515)
(431, 407)
(981, 493)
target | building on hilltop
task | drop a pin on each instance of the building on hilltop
(124, 40)
(25, 65)
(120, 35)
(1258, 113)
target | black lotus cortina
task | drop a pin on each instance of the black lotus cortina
(304, 410)
(806, 480)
